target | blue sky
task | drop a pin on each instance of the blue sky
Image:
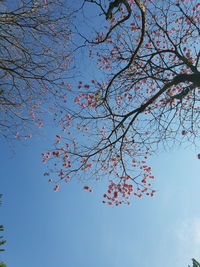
(73, 228)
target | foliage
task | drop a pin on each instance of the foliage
(1, 229)
(195, 263)
(34, 42)
(146, 96)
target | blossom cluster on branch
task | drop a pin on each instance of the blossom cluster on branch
(147, 55)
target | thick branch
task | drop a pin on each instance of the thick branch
(142, 10)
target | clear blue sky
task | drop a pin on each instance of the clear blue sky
(73, 228)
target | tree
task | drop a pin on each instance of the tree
(1, 229)
(3, 241)
(35, 58)
(147, 96)
(195, 263)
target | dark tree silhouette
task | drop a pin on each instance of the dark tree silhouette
(2, 242)
(195, 263)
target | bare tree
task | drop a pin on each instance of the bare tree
(34, 59)
(148, 55)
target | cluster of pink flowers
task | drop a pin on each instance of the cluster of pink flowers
(46, 156)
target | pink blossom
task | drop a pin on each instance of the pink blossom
(56, 188)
